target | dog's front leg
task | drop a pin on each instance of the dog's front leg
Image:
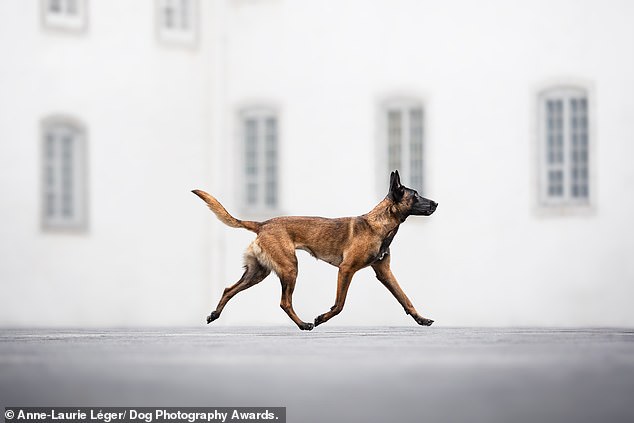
(344, 278)
(385, 276)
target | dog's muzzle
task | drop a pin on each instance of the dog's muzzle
(430, 208)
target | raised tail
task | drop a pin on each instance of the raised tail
(223, 215)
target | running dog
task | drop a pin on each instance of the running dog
(349, 243)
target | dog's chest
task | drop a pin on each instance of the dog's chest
(385, 245)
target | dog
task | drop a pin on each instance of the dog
(349, 243)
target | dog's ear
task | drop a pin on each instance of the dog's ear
(395, 177)
(396, 189)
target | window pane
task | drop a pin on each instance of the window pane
(54, 6)
(554, 146)
(71, 7)
(251, 147)
(416, 149)
(578, 147)
(184, 14)
(252, 193)
(50, 204)
(559, 132)
(251, 160)
(394, 140)
(177, 17)
(50, 146)
(271, 162)
(67, 175)
(555, 183)
(49, 174)
(168, 15)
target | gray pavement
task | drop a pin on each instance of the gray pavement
(403, 374)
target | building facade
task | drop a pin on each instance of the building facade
(516, 118)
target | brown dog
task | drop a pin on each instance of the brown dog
(349, 243)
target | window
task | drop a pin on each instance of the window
(260, 159)
(564, 153)
(402, 142)
(176, 20)
(63, 175)
(64, 14)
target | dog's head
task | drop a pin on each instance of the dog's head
(407, 201)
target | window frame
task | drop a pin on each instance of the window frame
(177, 37)
(79, 221)
(567, 204)
(65, 22)
(404, 104)
(260, 209)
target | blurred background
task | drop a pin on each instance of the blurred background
(516, 117)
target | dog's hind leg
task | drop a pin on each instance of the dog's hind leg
(287, 272)
(288, 280)
(279, 252)
(254, 273)
(385, 276)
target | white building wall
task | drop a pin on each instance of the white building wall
(162, 120)
(487, 256)
(144, 257)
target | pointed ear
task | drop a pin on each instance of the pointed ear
(396, 189)
(397, 177)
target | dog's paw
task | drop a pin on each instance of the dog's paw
(213, 316)
(319, 320)
(306, 326)
(424, 322)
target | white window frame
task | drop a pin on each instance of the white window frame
(184, 16)
(67, 15)
(549, 197)
(404, 106)
(63, 208)
(262, 206)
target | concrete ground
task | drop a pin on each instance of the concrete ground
(403, 374)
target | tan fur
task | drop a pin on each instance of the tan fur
(261, 256)
(349, 243)
(222, 214)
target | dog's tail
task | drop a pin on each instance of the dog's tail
(223, 215)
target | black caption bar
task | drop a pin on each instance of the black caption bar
(144, 414)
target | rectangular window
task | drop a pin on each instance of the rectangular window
(260, 163)
(64, 14)
(176, 21)
(564, 153)
(63, 177)
(404, 141)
